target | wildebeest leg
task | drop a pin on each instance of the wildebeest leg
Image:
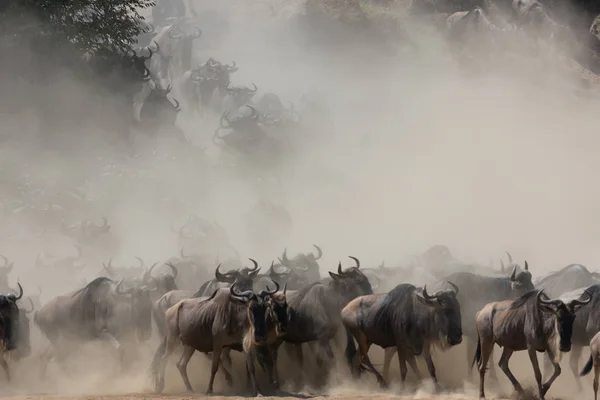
(187, 354)
(596, 375)
(412, 362)
(431, 368)
(216, 359)
(227, 365)
(503, 364)
(5, 367)
(574, 364)
(324, 351)
(536, 368)
(388, 354)
(300, 363)
(251, 373)
(485, 348)
(106, 336)
(274, 351)
(555, 375)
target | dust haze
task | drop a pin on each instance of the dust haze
(413, 150)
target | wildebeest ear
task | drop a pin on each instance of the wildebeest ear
(334, 276)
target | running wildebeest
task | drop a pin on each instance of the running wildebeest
(315, 312)
(100, 310)
(530, 323)
(227, 319)
(593, 361)
(12, 334)
(407, 319)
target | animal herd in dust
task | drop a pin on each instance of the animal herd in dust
(433, 301)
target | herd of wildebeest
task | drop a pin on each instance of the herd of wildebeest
(431, 302)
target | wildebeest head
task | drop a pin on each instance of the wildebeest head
(141, 307)
(521, 281)
(129, 272)
(241, 94)
(279, 308)
(86, 230)
(258, 311)
(351, 282)
(449, 313)
(243, 278)
(304, 264)
(158, 109)
(164, 282)
(565, 316)
(177, 33)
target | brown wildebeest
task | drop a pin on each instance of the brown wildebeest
(593, 361)
(227, 319)
(529, 323)
(406, 318)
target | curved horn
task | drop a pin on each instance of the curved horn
(453, 286)
(340, 272)
(20, 292)
(526, 266)
(543, 301)
(513, 275)
(426, 295)
(142, 264)
(284, 288)
(255, 88)
(225, 278)
(151, 53)
(268, 292)
(356, 260)
(177, 108)
(174, 270)
(198, 34)
(254, 114)
(510, 259)
(319, 252)
(118, 288)
(245, 296)
(578, 302)
(502, 266)
(255, 265)
(148, 273)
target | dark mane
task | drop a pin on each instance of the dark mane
(519, 302)
(84, 300)
(392, 306)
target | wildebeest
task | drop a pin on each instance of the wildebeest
(315, 311)
(100, 310)
(406, 319)
(12, 334)
(157, 111)
(164, 282)
(304, 263)
(571, 277)
(227, 319)
(237, 96)
(593, 361)
(531, 323)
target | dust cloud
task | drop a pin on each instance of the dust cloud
(415, 150)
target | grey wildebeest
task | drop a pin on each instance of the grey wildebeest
(236, 97)
(407, 319)
(593, 361)
(100, 310)
(227, 319)
(12, 334)
(567, 279)
(533, 323)
(315, 312)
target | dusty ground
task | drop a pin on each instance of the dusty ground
(187, 396)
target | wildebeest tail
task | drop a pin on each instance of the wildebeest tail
(477, 358)
(588, 366)
(350, 353)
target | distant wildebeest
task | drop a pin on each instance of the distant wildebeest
(12, 332)
(593, 361)
(236, 97)
(531, 323)
(100, 310)
(569, 278)
(157, 111)
(315, 312)
(406, 319)
(164, 282)
(227, 319)
(304, 263)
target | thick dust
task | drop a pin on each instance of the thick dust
(416, 152)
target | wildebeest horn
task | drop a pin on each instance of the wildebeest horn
(148, 273)
(255, 88)
(173, 269)
(526, 266)
(340, 272)
(230, 67)
(225, 278)
(254, 114)
(510, 259)
(356, 260)
(28, 311)
(502, 266)
(147, 74)
(142, 264)
(177, 108)
(319, 251)
(8, 266)
(284, 260)
(453, 286)
(284, 288)
(118, 288)
(151, 53)
(268, 292)
(255, 265)
(426, 295)
(514, 273)
(168, 89)
(197, 35)
(579, 302)
(245, 296)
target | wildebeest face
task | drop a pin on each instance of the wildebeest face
(446, 303)
(351, 282)
(565, 317)
(141, 308)
(521, 282)
(258, 309)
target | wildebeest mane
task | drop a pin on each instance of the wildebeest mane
(295, 300)
(201, 290)
(84, 305)
(521, 301)
(218, 309)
